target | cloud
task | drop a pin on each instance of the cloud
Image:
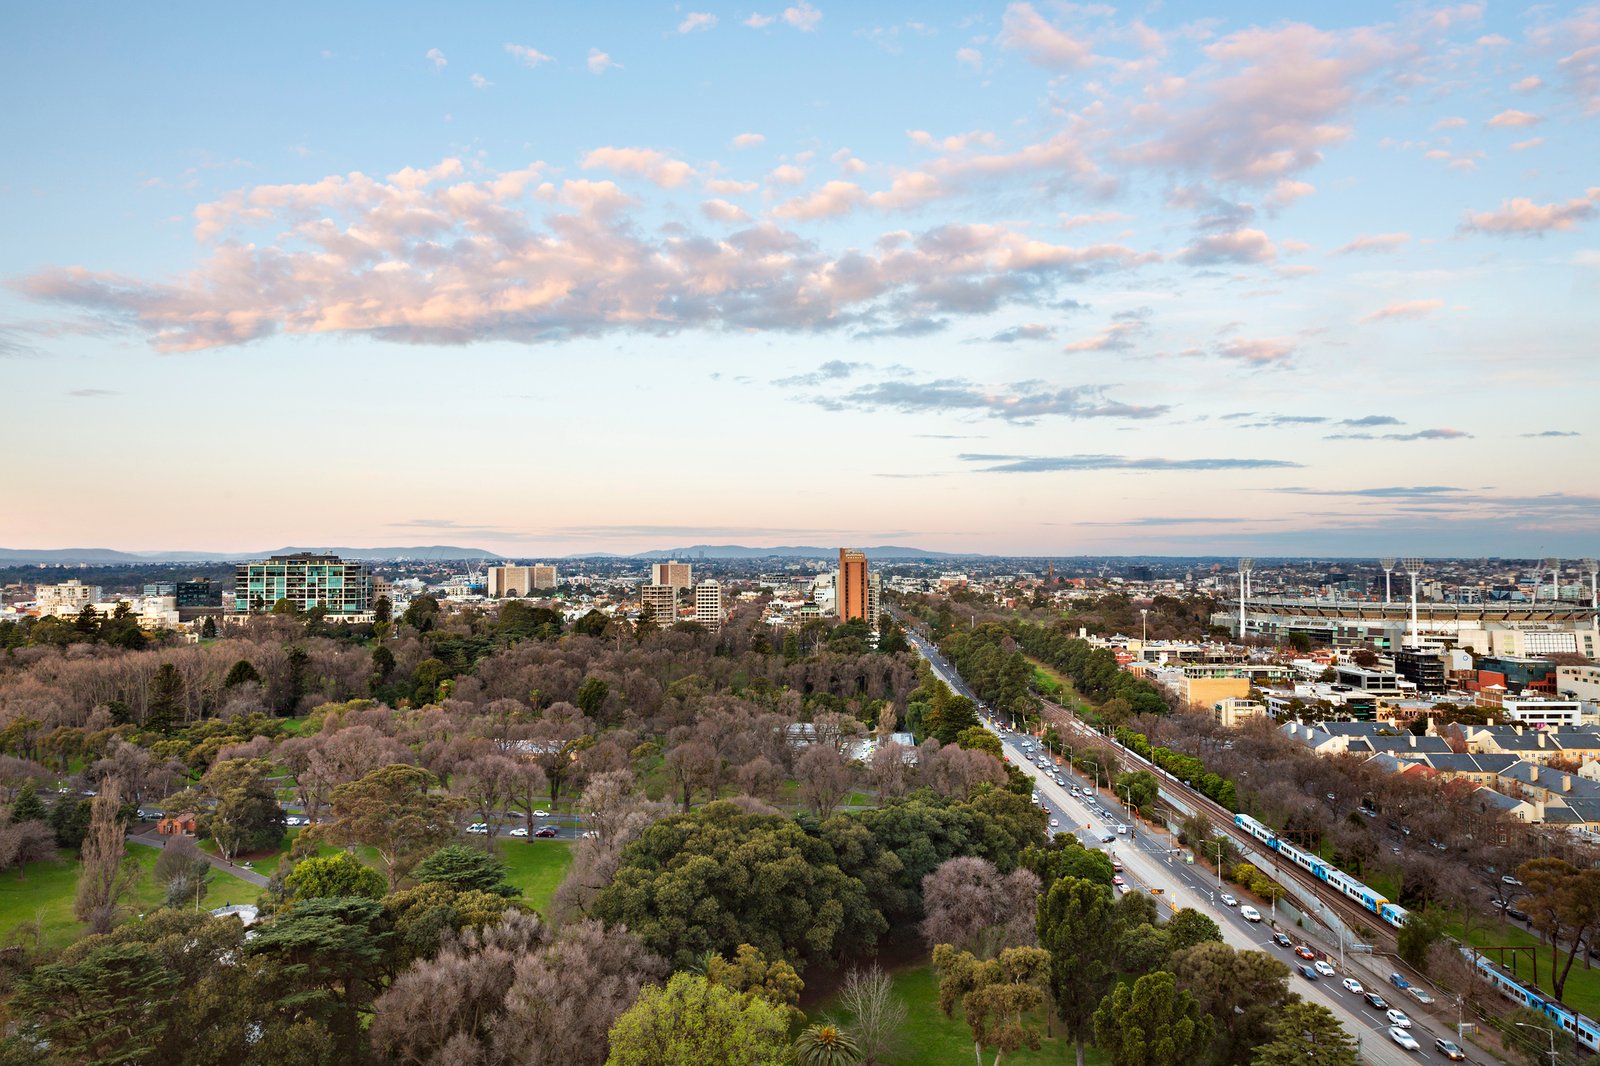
(648, 163)
(1373, 242)
(1265, 351)
(599, 62)
(1023, 401)
(1095, 218)
(1528, 84)
(832, 200)
(1032, 331)
(436, 57)
(527, 55)
(1421, 434)
(908, 189)
(1118, 335)
(1522, 217)
(723, 211)
(697, 20)
(970, 58)
(1523, 146)
(802, 16)
(1450, 122)
(760, 22)
(479, 81)
(1025, 30)
(787, 174)
(1513, 120)
(430, 256)
(832, 370)
(1404, 309)
(1239, 246)
(1042, 464)
(1554, 433)
(1368, 421)
(1384, 492)
(731, 188)
(749, 140)
(89, 393)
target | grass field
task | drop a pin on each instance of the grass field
(1582, 992)
(930, 1039)
(1056, 685)
(536, 867)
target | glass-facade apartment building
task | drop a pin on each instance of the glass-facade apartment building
(307, 581)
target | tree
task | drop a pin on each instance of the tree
(28, 807)
(876, 1014)
(994, 996)
(321, 876)
(689, 768)
(179, 858)
(1306, 1034)
(422, 613)
(1241, 991)
(395, 811)
(972, 906)
(465, 869)
(1151, 1023)
(1564, 904)
(106, 1003)
(243, 814)
(487, 783)
(750, 974)
(824, 779)
(1417, 937)
(591, 698)
(1075, 926)
(165, 697)
(25, 842)
(692, 1022)
(826, 1044)
(977, 738)
(241, 673)
(1189, 927)
(382, 610)
(108, 875)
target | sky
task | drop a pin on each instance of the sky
(1023, 278)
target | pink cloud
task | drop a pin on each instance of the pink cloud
(648, 163)
(1512, 119)
(787, 174)
(908, 189)
(1024, 29)
(1239, 246)
(697, 20)
(1264, 352)
(527, 55)
(832, 200)
(1404, 309)
(1522, 217)
(723, 211)
(1528, 84)
(730, 187)
(1523, 146)
(802, 16)
(749, 140)
(1374, 242)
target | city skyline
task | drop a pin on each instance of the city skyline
(1020, 279)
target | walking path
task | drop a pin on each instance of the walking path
(152, 839)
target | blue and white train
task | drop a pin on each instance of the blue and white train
(1346, 885)
(1586, 1031)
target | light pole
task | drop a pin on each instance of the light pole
(1218, 845)
(1388, 568)
(1244, 575)
(1414, 568)
(1551, 1033)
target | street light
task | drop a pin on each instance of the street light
(1218, 845)
(1551, 1033)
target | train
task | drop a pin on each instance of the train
(1329, 874)
(1586, 1031)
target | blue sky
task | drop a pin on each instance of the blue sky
(1013, 278)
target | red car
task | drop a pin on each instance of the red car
(1305, 952)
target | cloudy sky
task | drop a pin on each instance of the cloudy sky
(1033, 278)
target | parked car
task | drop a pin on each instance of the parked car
(1375, 1001)
(1449, 1049)
(541, 814)
(545, 831)
(1116, 864)
(1106, 838)
(1229, 899)
(1507, 879)
(1307, 972)
(1353, 986)
(1397, 1018)
(1324, 967)
(1249, 913)
(1516, 912)
(1118, 881)
(1404, 1039)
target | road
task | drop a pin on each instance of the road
(1148, 862)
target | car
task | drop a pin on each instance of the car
(1517, 912)
(1116, 864)
(1507, 879)
(1307, 972)
(1055, 823)
(1280, 939)
(1305, 952)
(1499, 904)
(1106, 838)
(519, 831)
(1249, 913)
(1419, 995)
(1404, 1039)
(1074, 790)
(1122, 830)
(1375, 1001)
(1229, 899)
(1118, 881)
(1352, 986)
(294, 819)
(541, 814)
(545, 831)
(1398, 981)
(1397, 1018)
(1449, 1049)
(477, 827)
(1331, 796)
(1324, 967)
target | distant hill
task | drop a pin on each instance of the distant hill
(110, 557)
(739, 551)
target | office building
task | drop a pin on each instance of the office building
(305, 580)
(1423, 667)
(672, 573)
(851, 600)
(67, 598)
(710, 605)
(1543, 714)
(511, 580)
(660, 602)
(161, 588)
(197, 592)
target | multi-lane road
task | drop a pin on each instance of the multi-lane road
(1149, 863)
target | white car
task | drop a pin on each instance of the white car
(1323, 967)
(1353, 986)
(519, 831)
(541, 814)
(1229, 899)
(1249, 913)
(478, 827)
(1397, 1018)
(1055, 823)
(1403, 1038)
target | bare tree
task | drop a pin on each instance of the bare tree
(487, 782)
(877, 1014)
(759, 778)
(108, 874)
(969, 904)
(25, 842)
(824, 779)
(526, 790)
(956, 772)
(689, 767)
(893, 769)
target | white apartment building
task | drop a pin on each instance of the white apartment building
(1579, 682)
(1543, 714)
(507, 580)
(662, 602)
(710, 605)
(67, 598)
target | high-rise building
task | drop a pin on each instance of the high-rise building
(671, 573)
(710, 605)
(67, 598)
(662, 603)
(197, 592)
(305, 580)
(851, 600)
(511, 580)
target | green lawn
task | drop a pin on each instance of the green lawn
(930, 1039)
(45, 892)
(536, 867)
(1582, 992)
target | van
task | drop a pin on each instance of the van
(1249, 913)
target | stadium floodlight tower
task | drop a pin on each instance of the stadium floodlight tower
(1388, 568)
(1555, 581)
(1414, 567)
(1538, 581)
(1593, 567)
(1244, 591)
